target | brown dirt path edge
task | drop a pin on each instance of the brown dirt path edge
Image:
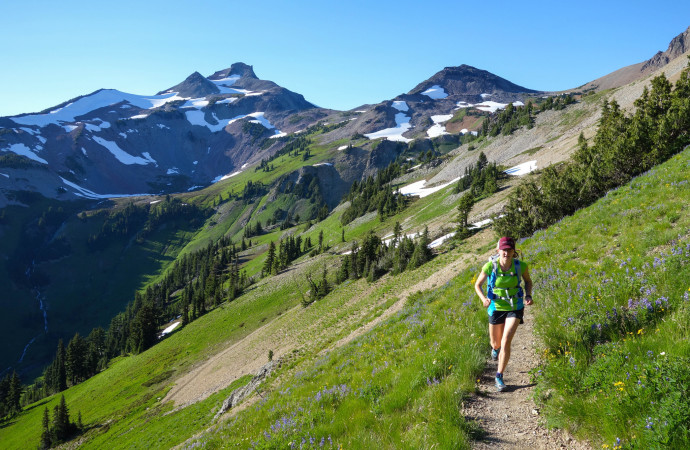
(510, 419)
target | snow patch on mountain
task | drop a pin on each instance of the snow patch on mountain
(123, 156)
(195, 103)
(487, 106)
(438, 129)
(83, 192)
(196, 117)
(417, 188)
(400, 106)
(225, 177)
(402, 124)
(23, 150)
(99, 99)
(435, 92)
(522, 169)
(95, 128)
(228, 100)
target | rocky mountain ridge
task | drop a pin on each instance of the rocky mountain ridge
(114, 143)
(111, 143)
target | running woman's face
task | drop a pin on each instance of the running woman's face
(507, 253)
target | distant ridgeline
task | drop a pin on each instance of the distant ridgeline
(623, 147)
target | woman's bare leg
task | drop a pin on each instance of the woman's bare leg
(496, 335)
(511, 326)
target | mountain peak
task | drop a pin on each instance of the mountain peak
(468, 80)
(194, 86)
(239, 68)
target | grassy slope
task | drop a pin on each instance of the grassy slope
(614, 323)
(127, 397)
(400, 384)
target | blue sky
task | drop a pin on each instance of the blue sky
(337, 54)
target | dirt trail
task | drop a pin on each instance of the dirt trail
(248, 355)
(510, 418)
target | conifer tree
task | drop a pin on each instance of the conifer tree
(60, 369)
(61, 424)
(76, 365)
(14, 394)
(268, 264)
(46, 434)
(464, 207)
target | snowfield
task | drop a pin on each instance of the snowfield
(169, 329)
(400, 106)
(123, 156)
(487, 106)
(522, 169)
(99, 99)
(417, 188)
(197, 117)
(402, 122)
(437, 129)
(435, 92)
(23, 150)
(83, 192)
(225, 177)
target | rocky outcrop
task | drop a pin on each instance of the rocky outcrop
(678, 46)
(240, 394)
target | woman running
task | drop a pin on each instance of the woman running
(504, 300)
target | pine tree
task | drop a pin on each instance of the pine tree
(324, 287)
(61, 424)
(464, 207)
(268, 264)
(76, 364)
(60, 369)
(397, 231)
(46, 434)
(14, 394)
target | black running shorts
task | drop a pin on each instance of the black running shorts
(499, 317)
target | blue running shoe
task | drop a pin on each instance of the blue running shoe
(494, 354)
(500, 385)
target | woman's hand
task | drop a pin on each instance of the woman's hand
(528, 300)
(480, 292)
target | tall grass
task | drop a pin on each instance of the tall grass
(613, 286)
(399, 386)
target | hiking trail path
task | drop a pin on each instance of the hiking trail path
(510, 419)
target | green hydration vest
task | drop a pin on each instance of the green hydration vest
(509, 297)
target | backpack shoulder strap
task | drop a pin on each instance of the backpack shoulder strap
(492, 278)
